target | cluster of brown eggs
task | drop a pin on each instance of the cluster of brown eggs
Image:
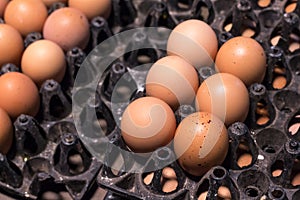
(200, 140)
(62, 30)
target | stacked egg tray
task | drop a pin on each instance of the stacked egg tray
(41, 157)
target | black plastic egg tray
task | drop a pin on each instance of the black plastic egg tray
(39, 160)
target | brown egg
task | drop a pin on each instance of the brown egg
(6, 132)
(290, 7)
(195, 41)
(92, 8)
(3, 4)
(224, 192)
(262, 120)
(225, 96)
(200, 142)
(48, 3)
(296, 180)
(173, 80)
(11, 45)
(18, 95)
(244, 58)
(170, 185)
(148, 179)
(26, 16)
(279, 82)
(68, 27)
(244, 160)
(147, 124)
(169, 173)
(276, 172)
(293, 128)
(264, 3)
(44, 60)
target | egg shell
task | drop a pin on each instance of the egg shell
(11, 45)
(92, 8)
(3, 4)
(26, 16)
(243, 57)
(200, 142)
(172, 80)
(224, 95)
(48, 3)
(67, 27)
(43, 60)
(6, 132)
(195, 41)
(18, 95)
(147, 124)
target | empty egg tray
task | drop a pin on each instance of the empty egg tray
(39, 159)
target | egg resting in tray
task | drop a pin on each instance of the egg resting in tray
(271, 145)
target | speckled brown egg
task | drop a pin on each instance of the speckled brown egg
(200, 142)
(67, 27)
(18, 95)
(243, 57)
(26, 16)
(11, 45)
(225, 96)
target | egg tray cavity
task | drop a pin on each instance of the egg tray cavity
(38, 161)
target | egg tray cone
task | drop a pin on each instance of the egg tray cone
(41, 157)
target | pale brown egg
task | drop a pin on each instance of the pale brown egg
(169, 173)
(18, 95)
(3, 4)
(43, 60)
(148, 179)
(92, 8)
(200, 142)
(224, 192)
(243, 57)
(225, 96)
(170, 185)
(11, 45)
(6, 132)
(147, 124)
(26, 16)
(195, 41)
(172, 80)
(68, 27)
(48, 3)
